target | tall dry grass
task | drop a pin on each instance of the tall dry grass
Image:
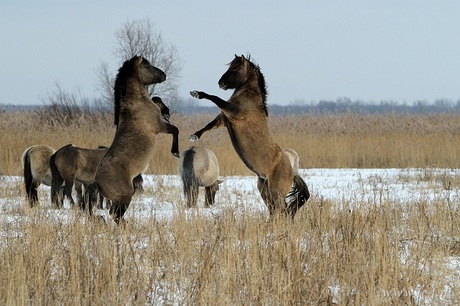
(386, 254)
(357, 253)
(331, 141)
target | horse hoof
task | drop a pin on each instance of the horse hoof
(195, 94)
(177, 155)
(193, 138)
(166, 118)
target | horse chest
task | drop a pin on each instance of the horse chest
(247, 147)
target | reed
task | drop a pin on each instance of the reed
(360, 252)
(333, 253)
(326, 141)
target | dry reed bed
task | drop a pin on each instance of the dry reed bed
(377, 254)
(331, 141)
(371, 253)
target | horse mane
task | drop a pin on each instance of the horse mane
(262, 84)
(120, 85)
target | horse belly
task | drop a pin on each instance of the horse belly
(254, 150)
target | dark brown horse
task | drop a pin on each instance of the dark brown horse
(138, 122)
(245, 116)
(36, 169)
(198, 167)
(77, 166)
(71, 166)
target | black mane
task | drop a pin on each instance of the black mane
(262, 84)
(120, 85)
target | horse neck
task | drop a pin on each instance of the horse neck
(249, 92)
(132, 91)
(135, 88)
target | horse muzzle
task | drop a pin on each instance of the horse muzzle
(223, 86)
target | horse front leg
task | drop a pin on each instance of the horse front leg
(163, 108)
(222, 104)
(216, 123)
(172, 129)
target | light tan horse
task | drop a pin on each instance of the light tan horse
(36, 169)
(198, 167)
(245, 117)
(138, 122)
(293, 159)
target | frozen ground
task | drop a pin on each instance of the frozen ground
(163, 194)
(346, 188)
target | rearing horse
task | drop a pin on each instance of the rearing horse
(245, 116)
(138, 122)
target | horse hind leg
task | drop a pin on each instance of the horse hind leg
(192, 195)
(118, 209)
(32, 193)
(68, 185)
(80, 199)
(273, 196)
(211, 193)
(209, 196)
(262, 185)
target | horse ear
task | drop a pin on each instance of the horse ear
(139, 59)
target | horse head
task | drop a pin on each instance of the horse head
(148, 73)
(242, 72)
(144, 74)
(237, 73)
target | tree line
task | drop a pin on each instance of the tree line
(343, 105)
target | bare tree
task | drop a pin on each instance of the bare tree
(136, 37)
(64, 108)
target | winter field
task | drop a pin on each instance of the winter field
(365, 236)
(382, 226)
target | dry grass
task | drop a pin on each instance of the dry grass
(333, 253)
(332, 141)
(384, 254)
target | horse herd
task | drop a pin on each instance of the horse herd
(114, 173)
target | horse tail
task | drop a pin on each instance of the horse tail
(28, 176)
(188, 173)
(56, 181)
(299, 195)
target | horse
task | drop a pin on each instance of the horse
(198, 167)
(71, 165)
(36, 170)
(293, 159)
(138, 122)
(245, 115)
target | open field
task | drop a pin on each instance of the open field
(366, 236)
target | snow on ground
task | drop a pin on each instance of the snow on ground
(163, 194)
(163, 197)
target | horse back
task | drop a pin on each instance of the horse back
(206, 166)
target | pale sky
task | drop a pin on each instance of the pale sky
(400, 50)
